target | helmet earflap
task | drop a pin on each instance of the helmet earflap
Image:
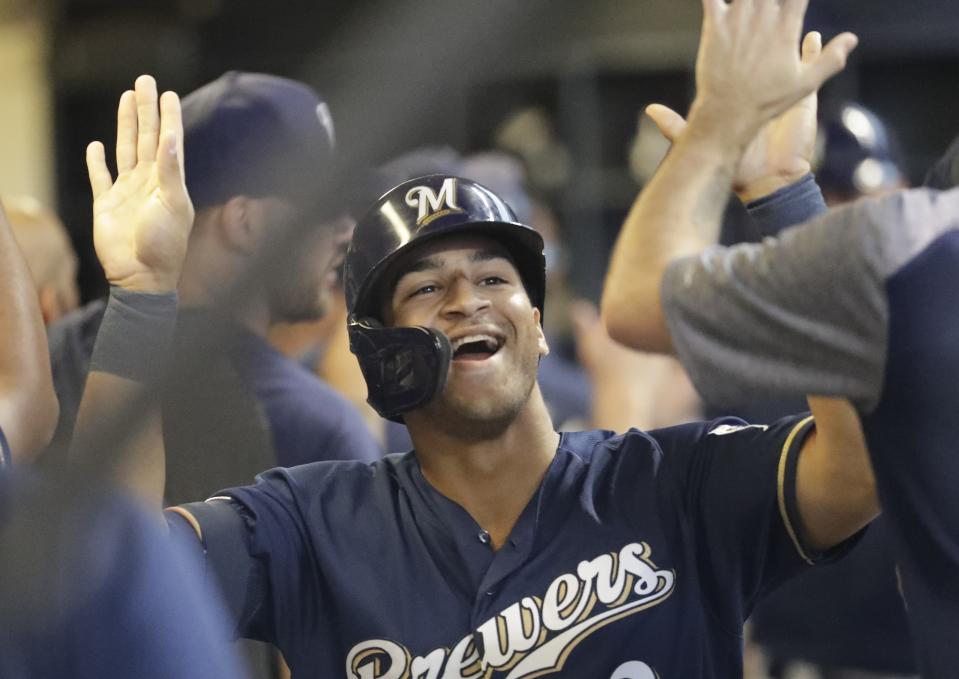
(404, 368)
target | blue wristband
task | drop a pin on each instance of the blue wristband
(136, 335)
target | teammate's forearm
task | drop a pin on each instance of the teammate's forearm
(28, 404)
(129, 357)
(677, 214)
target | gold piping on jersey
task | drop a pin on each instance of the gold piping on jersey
(780, 490)
(190, 519)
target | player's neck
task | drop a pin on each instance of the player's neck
(492, 478)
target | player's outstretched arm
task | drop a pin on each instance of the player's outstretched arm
(28, 403)
(141, 225)
(749, 71)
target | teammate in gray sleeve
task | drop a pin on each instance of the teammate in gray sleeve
(855, 304)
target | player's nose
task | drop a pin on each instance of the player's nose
(464, 299)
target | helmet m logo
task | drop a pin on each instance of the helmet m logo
(432, 205)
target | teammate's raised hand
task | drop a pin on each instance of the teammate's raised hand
(781, 153)
(749, 71)
(142, 221)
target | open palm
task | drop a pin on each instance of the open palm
(142, 221)
(782, 151)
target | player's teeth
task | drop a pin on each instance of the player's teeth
(486, 339)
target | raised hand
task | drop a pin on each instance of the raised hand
(142, 221)
(780, 154)
(749, 71)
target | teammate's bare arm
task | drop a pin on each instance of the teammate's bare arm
(141, 224)
(747, 75)
(28, 404)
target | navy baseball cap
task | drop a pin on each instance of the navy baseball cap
(259, 135)
(861, 154)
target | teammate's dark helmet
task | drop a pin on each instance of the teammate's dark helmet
(406, 368)
(944, 175)
(860, 154)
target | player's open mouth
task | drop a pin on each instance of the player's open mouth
(477, 347)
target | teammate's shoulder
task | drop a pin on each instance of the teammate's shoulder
(892, 229)
(291, 384)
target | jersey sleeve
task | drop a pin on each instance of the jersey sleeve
(737, 483)
(804, 313)
(253, 542)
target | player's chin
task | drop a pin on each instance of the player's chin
(487, 414)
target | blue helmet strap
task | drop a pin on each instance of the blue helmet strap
(404, 368)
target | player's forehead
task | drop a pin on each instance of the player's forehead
(451, 251)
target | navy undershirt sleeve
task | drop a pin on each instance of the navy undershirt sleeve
(790, 205)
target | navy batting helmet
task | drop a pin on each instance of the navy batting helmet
(860, 153)
(406, 368)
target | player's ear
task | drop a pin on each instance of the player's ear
(234, 225)
(540, 335)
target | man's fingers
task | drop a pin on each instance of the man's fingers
(171, 122)
(795, 10)
(792, 18)
(713, 8)
(811, 47)
(100, 179)
(169, 167)
(126, 132)
(670, 123)
(148, 118)
(832, 60)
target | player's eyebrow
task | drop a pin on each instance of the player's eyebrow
(423, 264)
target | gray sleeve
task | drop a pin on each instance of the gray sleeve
(802, 314)
(805, 313)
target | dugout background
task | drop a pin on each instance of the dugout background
(400, 74)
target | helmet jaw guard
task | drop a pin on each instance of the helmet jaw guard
(406, 368)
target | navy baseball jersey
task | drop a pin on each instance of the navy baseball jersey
(912, 435)
(640, 555)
